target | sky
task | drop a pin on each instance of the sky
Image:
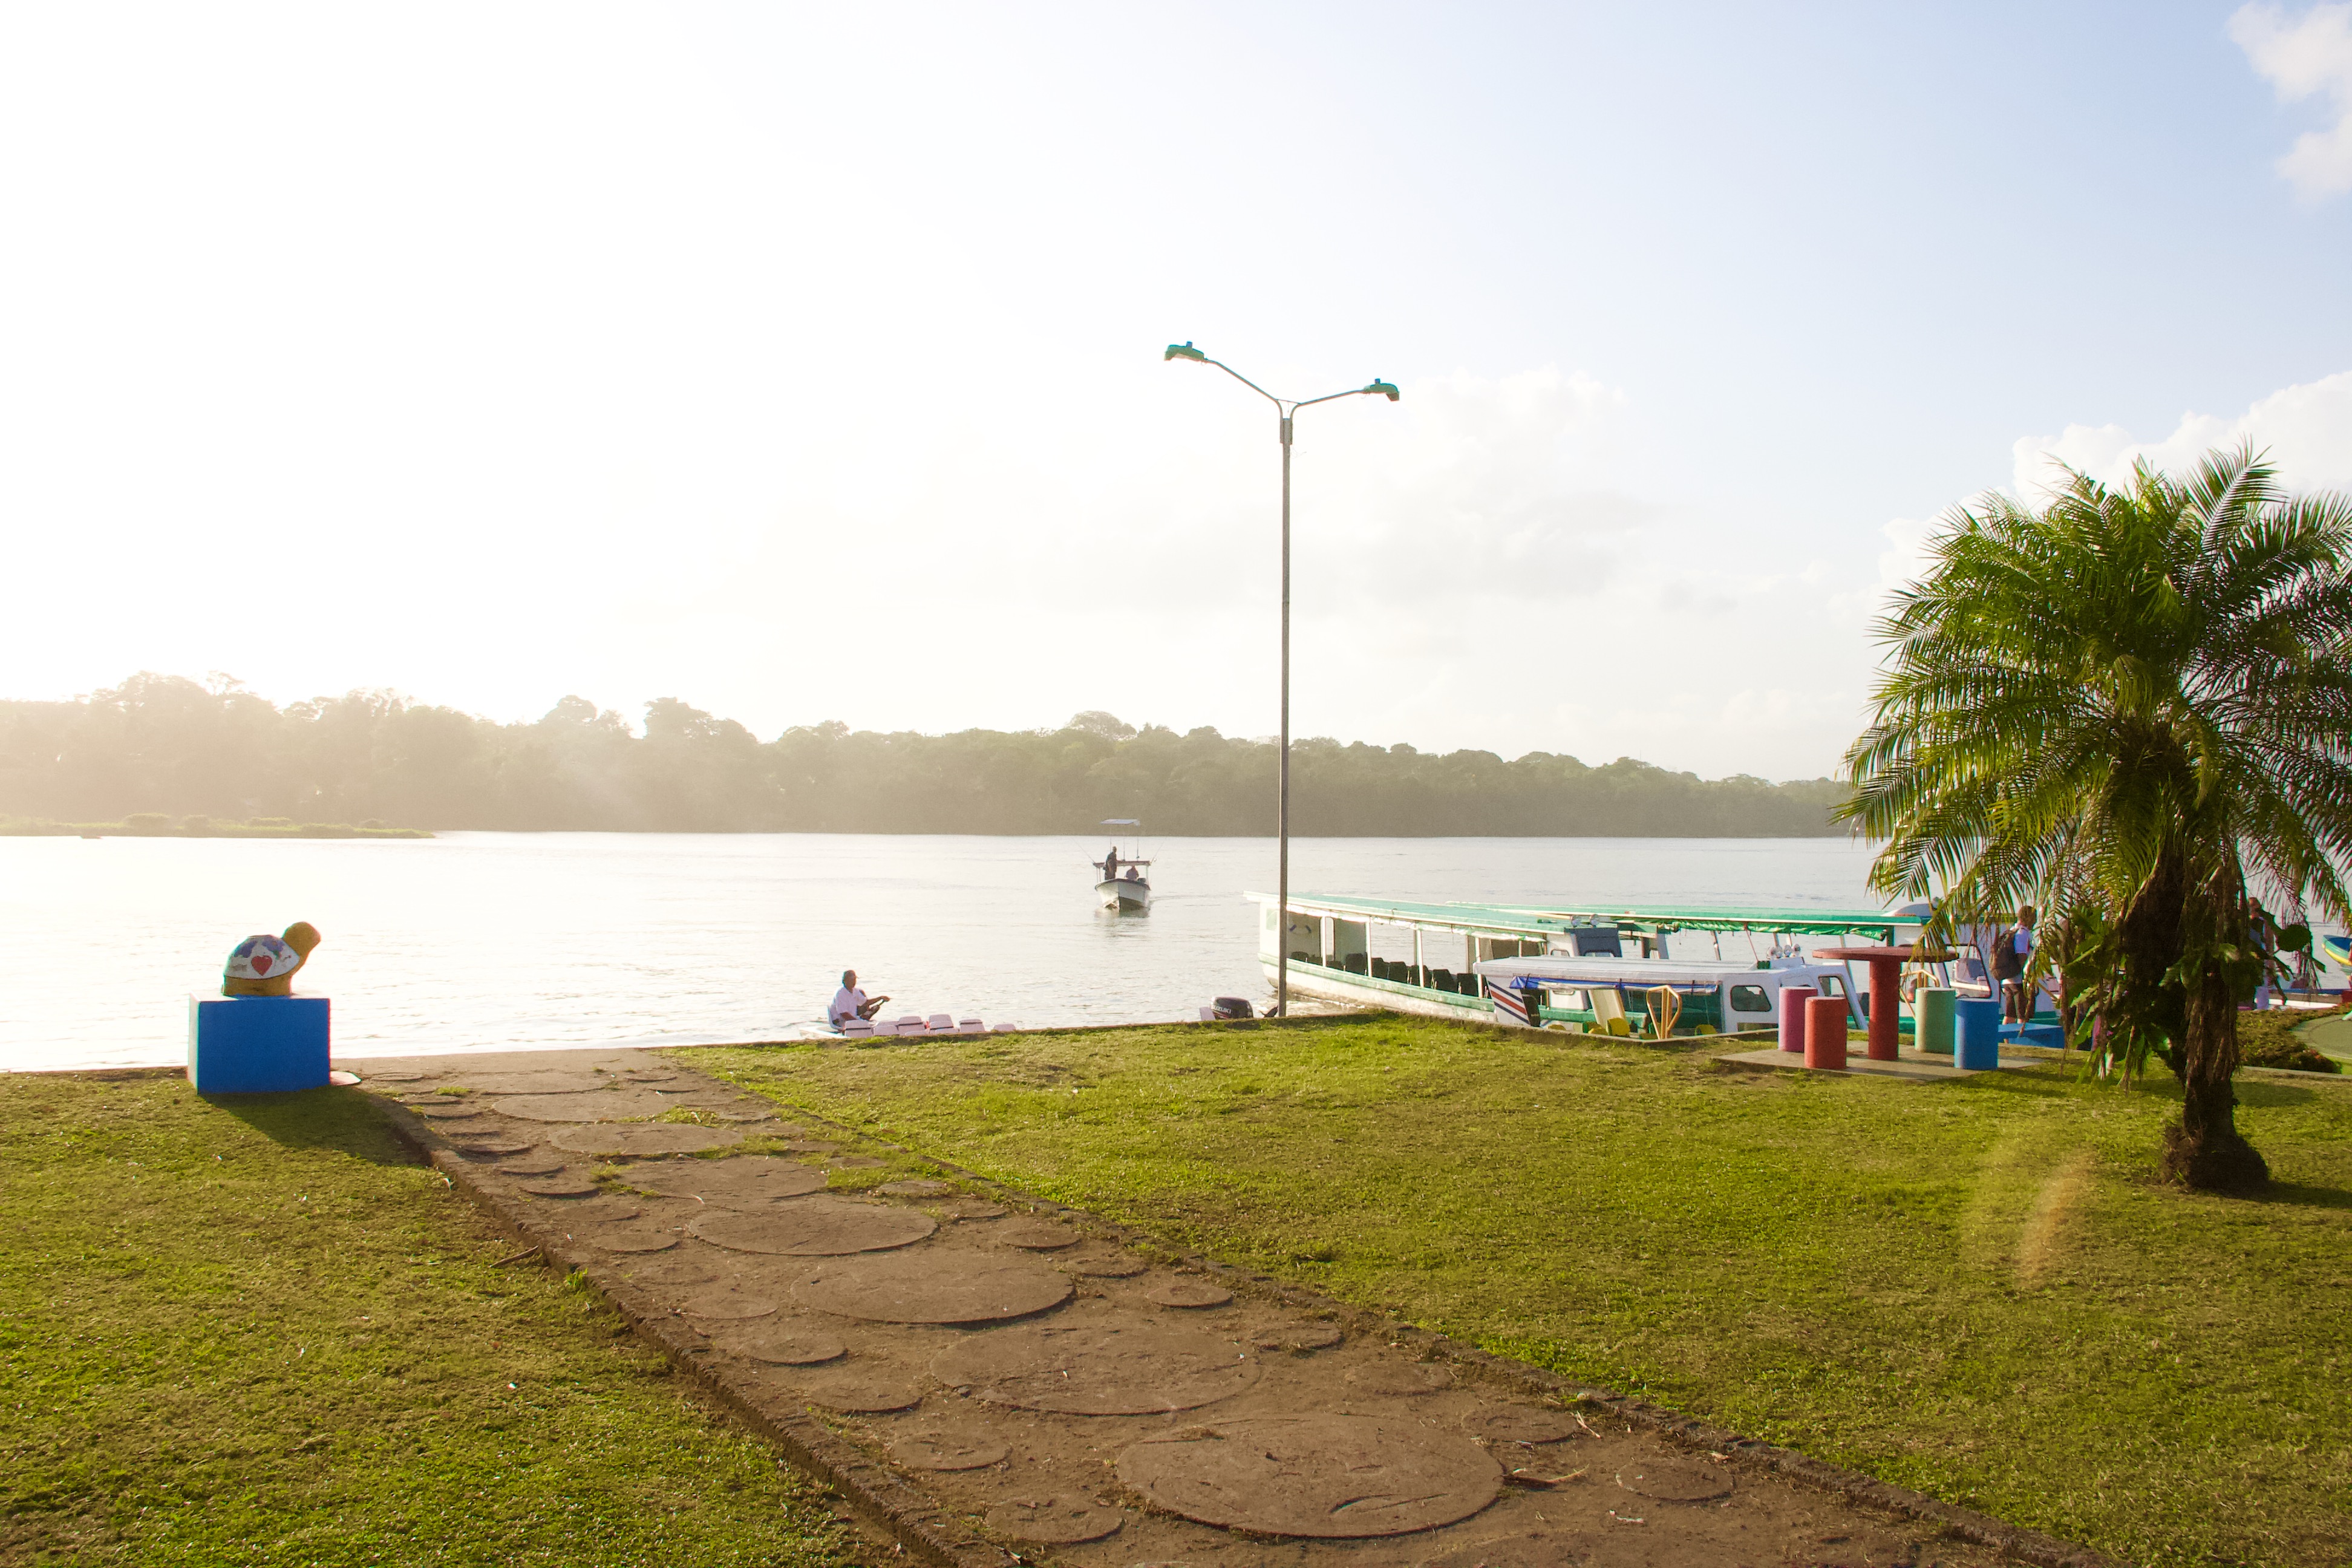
(804, 362)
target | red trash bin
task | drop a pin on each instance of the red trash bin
(1825, 1033)
(1792, 1014)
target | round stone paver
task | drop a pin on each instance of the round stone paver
(1073, 1369)
(1402, 1380)
(1675, 1481)
(1036, 1235)
(1324, 1476)
(976, 1208)
(1519, 1424)
(818, 1227)
(936, 1285)
(684, 1269)
(1188, 1294)
(917, 1188)
(738, 1179)
(852, 1393)
(559, 1187)
(944, 1451)
(727, 1306)
(597, 1105)
(490, 1148)
(1103, 1266)
(634, 1241)
(537, 1165)
(440, 1110)
(1054, 1520)
(551, 1081)
(643, 1141)
(793, 1347)
(1300, 1338)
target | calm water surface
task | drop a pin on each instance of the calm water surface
(501, 941)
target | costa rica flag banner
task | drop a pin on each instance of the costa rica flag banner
(1511, 1002)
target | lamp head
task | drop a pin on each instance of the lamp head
(1184, 350)
(1384, 388)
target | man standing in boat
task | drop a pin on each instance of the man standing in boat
(1110, 864)
(849, 1003)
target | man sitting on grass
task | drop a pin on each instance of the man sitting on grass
(849, 1003)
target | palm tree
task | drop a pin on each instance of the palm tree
(2140, 695)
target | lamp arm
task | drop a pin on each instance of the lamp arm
(1245, 381)
(1334, 398)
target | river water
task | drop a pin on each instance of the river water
(507, 941)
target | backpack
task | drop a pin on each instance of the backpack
(2006, 965)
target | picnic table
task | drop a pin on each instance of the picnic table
(1885, 982)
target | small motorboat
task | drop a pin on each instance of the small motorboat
(1125, 884)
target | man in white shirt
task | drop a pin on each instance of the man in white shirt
(2017, 996)
(850, 1003)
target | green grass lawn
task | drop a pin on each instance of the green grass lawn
(1974, 1287)
(255, 1331)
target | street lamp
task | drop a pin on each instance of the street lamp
(1285, 407)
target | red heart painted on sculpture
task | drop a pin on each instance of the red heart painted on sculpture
(260, 962)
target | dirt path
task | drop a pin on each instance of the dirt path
(997, 1382)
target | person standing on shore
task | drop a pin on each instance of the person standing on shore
(850, 1003)
(2012, 955)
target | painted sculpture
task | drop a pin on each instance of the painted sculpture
(265, 965)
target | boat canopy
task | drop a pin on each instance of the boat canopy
(1531, 921)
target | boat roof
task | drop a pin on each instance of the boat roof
(1525, 919)
(1649, 971)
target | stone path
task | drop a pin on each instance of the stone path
(1001, 1386)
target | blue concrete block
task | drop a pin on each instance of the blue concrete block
(1979, 1034)
(256, 1044)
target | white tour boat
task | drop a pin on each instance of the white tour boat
(1583, 967)
(1126, 883)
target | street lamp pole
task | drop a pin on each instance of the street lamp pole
(1285, 408)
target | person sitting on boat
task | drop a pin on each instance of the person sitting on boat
(850, 1003)
(1132, 874)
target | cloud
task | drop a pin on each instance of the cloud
(2305, 56)
(2306, 430)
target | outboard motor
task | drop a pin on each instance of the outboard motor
(1232, 1007)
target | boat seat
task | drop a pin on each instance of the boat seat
(972, 1026)
(855, 1030)
(941, 1021)
(1441, 980)
(1355, 963)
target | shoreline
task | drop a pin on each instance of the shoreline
(41, 827)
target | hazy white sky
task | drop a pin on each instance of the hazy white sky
(803, 362)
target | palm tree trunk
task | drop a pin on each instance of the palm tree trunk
(2204, 1149)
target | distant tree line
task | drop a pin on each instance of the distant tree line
(159, 743)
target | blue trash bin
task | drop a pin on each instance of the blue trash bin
(1979, 1034)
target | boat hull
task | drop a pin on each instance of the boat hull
(1363, 990)
(1121, 894)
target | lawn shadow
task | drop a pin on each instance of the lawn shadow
(2303, 1195)
(343, 1120)
(2261, 1091)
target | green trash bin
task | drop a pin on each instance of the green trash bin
(1932, 1006)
